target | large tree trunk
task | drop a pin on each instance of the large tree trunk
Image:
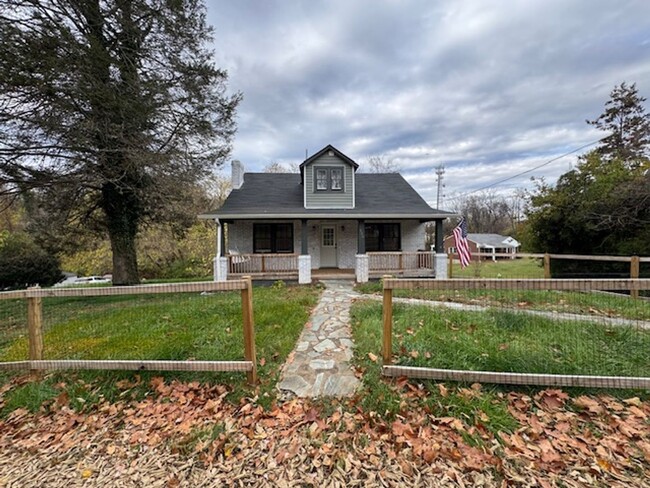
(122, 221)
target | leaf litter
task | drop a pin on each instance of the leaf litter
(188, 434)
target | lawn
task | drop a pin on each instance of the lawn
(187, 326)
(502, 340)
(583, 303)
(502, 268)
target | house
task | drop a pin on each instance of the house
(328, 218)
(493, 244)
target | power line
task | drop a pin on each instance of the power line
(530, 170)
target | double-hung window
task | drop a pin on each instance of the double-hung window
(329, 179)
(383, 237)
(273, 238)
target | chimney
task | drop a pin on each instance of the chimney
(237, 178)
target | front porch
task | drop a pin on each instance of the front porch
(286, 267)
(329, 248)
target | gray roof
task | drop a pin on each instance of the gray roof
(280, 195)
(491, 240)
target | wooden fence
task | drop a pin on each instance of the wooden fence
(34, 297)
(547, 257)
(390, 284)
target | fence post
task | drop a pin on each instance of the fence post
(450, 268)
(634, 274)
(249, 328)
(388, 323)
(35, 325)
(547, 266)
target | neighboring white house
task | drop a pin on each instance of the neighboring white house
(487, 243)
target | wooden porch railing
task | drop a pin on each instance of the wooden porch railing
(400, 261)
(244, 264)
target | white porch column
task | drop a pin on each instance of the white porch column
(362, 268)
(304, 269)
(440, 265)
(220, 263)
(220, 268)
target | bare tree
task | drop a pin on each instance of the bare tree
(490, 213)
(276, 167)
(380, 164)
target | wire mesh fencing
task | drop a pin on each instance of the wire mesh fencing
(539, 332)
(202, 326)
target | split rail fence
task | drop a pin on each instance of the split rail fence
(638, 329)
(635, 261)
(34, 298)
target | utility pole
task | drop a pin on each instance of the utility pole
(440, 172)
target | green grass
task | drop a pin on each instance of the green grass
(501, 340)
(186, 326)
(583, 303)
(381, 395)
(503, 268)
(484, 341)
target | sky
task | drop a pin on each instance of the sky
(489, 89)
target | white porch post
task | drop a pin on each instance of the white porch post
(220, 263)
(362, 268)
(304, 269)
(440, 265)
(304, 260)
(362, 263)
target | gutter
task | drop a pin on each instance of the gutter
(315, 216)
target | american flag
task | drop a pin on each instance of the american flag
(462, 246)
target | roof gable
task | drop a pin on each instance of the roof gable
(323, 151)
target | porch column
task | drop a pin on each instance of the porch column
(439, 257)
(361, 268)
(220, 262)
(304, 238)
(304, 260)
(361, 237)
(439, 246)
(223, 239)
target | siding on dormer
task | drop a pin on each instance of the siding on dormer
(329, 199)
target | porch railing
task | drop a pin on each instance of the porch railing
(272, 264)
(400, 262)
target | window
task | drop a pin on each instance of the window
(329, 179)
(321, 179)
(383, 237)
(336, 178)
(273, 238)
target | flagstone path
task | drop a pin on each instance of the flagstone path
(320, 363)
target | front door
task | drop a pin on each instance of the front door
(328, 247)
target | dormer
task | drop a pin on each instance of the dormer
(328, 179)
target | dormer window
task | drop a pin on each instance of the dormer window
(336, 177)
(329, 179)
(321, 180)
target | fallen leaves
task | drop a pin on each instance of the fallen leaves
(583, 441)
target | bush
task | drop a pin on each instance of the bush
(23, 263)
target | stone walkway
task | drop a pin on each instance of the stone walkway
(320, 363)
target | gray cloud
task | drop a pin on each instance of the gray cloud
(488, 88)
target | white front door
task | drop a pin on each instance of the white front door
(328, 247)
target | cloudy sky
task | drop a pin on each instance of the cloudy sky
(488, 88)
